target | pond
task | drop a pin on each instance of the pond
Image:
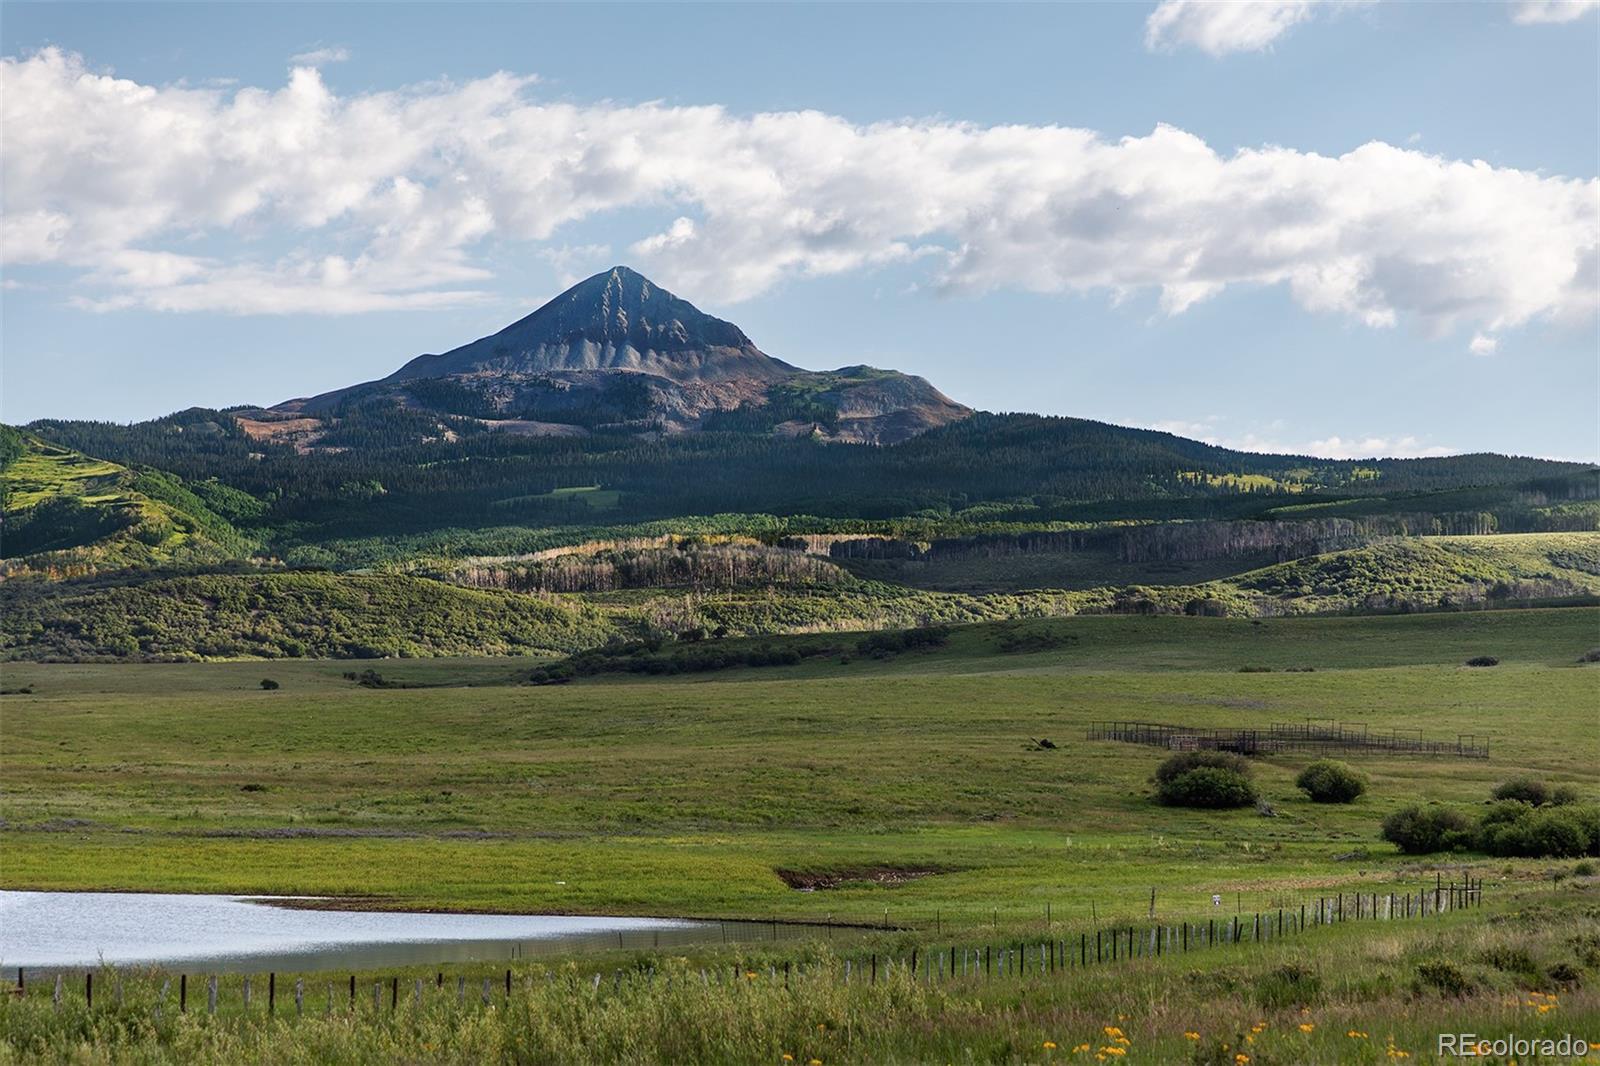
(45, 931)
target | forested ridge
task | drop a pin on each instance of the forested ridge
(187, 536)
(389, 481)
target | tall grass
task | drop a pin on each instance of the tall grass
(1351, 994)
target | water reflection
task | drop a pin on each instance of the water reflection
(42, 931)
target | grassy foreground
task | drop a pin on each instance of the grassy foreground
(907, 783)
(1524, 965)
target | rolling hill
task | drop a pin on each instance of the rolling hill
(67, 514)
(620, 466)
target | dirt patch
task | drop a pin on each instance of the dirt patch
(257, 429)
(812, 880)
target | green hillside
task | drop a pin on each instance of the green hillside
(1444, 570)
(66, 514)
(278, 614)
(282, 615)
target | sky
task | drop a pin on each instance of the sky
(1354, 229)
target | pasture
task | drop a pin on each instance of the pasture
(903, 790)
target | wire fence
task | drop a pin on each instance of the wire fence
(923, 960)
(1312, 736)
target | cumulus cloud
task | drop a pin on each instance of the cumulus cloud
(379, 200)
(317, 57)
(1483, 345)
(1270, 439)
(1375, 448)
(1218, 27)
(1530, 12)
(1221, 27)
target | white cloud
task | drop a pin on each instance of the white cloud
(317, 57)
(1221, 27)
(1270, 439)
(1375, 448)
(311, 201)
(1218, 27)
(1529, 12)
(1481, 344)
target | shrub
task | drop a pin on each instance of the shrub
(1564, 794)
(1180, 764)
(1526, 789)
(1331, 781)
(1515, 829)
(1444, 977)
(1289, 985)
(1590, 656)
(1483, 660)
(1565, 974)
(268, 684)
(1206, 607)
(1209, 787)
(1422, 830)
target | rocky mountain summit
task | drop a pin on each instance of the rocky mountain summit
(617, 352)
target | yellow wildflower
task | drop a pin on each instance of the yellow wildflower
(787, 1057)
(1112, 1030)
(1241, 1058)
(750, 975)
(1191, 1035)
(1049, 1045)
(1356, 1034)
(1080, 1049)
(1306, 1027)
(1111, 1049)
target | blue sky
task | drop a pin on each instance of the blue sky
(933, 210)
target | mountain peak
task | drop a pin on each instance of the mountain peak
(616, 320)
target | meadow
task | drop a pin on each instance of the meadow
(908, 784)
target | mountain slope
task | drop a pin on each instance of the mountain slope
(617, 320)
(618, 353)
(65, 513)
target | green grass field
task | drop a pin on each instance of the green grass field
(687, 795)
(683, 795)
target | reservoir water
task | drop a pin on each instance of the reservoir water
(43, 931)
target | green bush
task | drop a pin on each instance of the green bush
(268, 684)
(1510, 828)
(1180, 764)
(1423, 830)
(1331, 781)
(1289, 985)
(1444, 977)
(1209, 787)
(1211, 779)
(1527, 789)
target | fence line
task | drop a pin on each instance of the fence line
(925, 962)
(1315, 737)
